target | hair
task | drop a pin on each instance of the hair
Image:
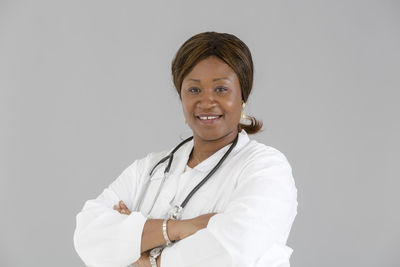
(229, 49)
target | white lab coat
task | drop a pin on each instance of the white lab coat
(253, 193)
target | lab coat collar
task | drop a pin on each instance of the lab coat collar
(181, 156)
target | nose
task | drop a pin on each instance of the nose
(207, 99)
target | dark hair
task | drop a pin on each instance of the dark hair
(229, 49)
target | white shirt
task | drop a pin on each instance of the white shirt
(253, 193)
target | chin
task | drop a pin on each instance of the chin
(211, 134)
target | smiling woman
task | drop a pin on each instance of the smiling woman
(213, 75)
(229, 59)
(217, 199)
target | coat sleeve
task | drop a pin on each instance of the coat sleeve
(105, 238)
(256, 222)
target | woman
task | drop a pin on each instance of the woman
(242, 213)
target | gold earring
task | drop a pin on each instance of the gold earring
(243, 116)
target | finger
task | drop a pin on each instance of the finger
(126, 212)
(121, 211)
(126, 209)
(122, 204)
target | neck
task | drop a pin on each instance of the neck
(202, 148)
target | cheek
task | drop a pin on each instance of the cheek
(186, 106)
(234, 107)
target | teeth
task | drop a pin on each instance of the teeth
(208, 118)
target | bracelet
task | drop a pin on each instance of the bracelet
(164, 229)
(154, 254)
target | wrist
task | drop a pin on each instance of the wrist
(154, 256)
(158, 261)
(173, 227)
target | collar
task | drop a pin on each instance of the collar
(181, 156)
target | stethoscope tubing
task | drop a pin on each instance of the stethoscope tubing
(170, 157)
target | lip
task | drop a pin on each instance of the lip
(208, 122)
(207, 115)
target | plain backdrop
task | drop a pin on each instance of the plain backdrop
(86, 89)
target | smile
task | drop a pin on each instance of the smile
(209, 119)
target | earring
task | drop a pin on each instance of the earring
(243, 116)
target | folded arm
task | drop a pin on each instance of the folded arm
(105, 237)
(176, 230)
(258, 216)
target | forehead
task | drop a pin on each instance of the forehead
(211, 69)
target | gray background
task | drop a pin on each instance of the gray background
(86, 89)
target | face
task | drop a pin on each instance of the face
(211, 89)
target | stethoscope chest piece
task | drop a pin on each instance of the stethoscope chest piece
(175, 213)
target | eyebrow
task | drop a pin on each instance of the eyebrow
(216, 79)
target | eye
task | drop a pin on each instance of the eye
(221, 89)
(193, 90)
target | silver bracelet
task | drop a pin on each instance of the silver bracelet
(154, 254)
(164, 230)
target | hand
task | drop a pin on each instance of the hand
(144, 260)
(191, 226)
(122, 208)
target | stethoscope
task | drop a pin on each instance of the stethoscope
(176, 211)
